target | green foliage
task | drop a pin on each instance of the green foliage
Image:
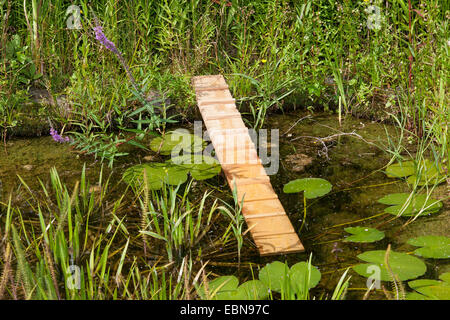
(363, 235)
(404, 266)
(227, 288)
(430, 289)
(172, 172)
(436, 247)
(408, 205)
(175, 142)
(292, 283)
(313, 187)
(424, 173)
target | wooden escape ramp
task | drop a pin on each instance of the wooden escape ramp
(264, 214)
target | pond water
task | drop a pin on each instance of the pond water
(350, 155)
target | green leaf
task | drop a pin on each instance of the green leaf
(199, 166)
(426, 172)
(176, 141)
(253, 290)
(364, 235)
(437, 247)
(275, 275)
(221, 288)
(405, 266)
(426, 289)
(415, 204)
(313, 187)
(157, 175)
(400, 169)
(299, 275)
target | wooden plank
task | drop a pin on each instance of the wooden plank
(266, 219)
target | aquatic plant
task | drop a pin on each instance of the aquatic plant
(425, 172)
(435, 247)
(228, 288)
(172, 172)
(404, 266)
(177, 141)
(291, 283)
(427, 289)
(363, 234)
(312, 187)
(407, 205)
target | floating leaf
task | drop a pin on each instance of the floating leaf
(252, 290)
(157, 175)
(313, 187)
(274, 275)
(199, 166)
(400, 169)
(221, 288)
(416, 204)
(362, 234)
(176, 141)
(426, 172)
(299, 275)
(437, 247)
(430, 289)
(405, 266)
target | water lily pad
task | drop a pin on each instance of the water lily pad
(221, 288)
(253, 290)
(425, 173)
(176, 141)
(430, 289)
(364, 235)
(299, 274)
(275, 275)
(199, 166)
(400, 169)
(157, 175)
(313, 187)
(405, 266)
(416, 204)
(437, 247)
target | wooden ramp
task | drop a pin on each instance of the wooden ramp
(265, 216)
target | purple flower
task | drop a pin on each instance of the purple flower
(100, 36)
(57, 137)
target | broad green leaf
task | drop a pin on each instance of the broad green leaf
(362, 234)
(437, 247)
(400, 169)
(414, 203)
(299, 276)
(157, 175)
(199, 166)
(221, 288)
(275, 275)
(313, 187)
(405, 266)
(253, 290)
(176, 141)
(431, 289)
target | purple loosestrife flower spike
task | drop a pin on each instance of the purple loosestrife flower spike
(100, 36)
(57, 137)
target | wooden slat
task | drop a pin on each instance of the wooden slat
(265, 216)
